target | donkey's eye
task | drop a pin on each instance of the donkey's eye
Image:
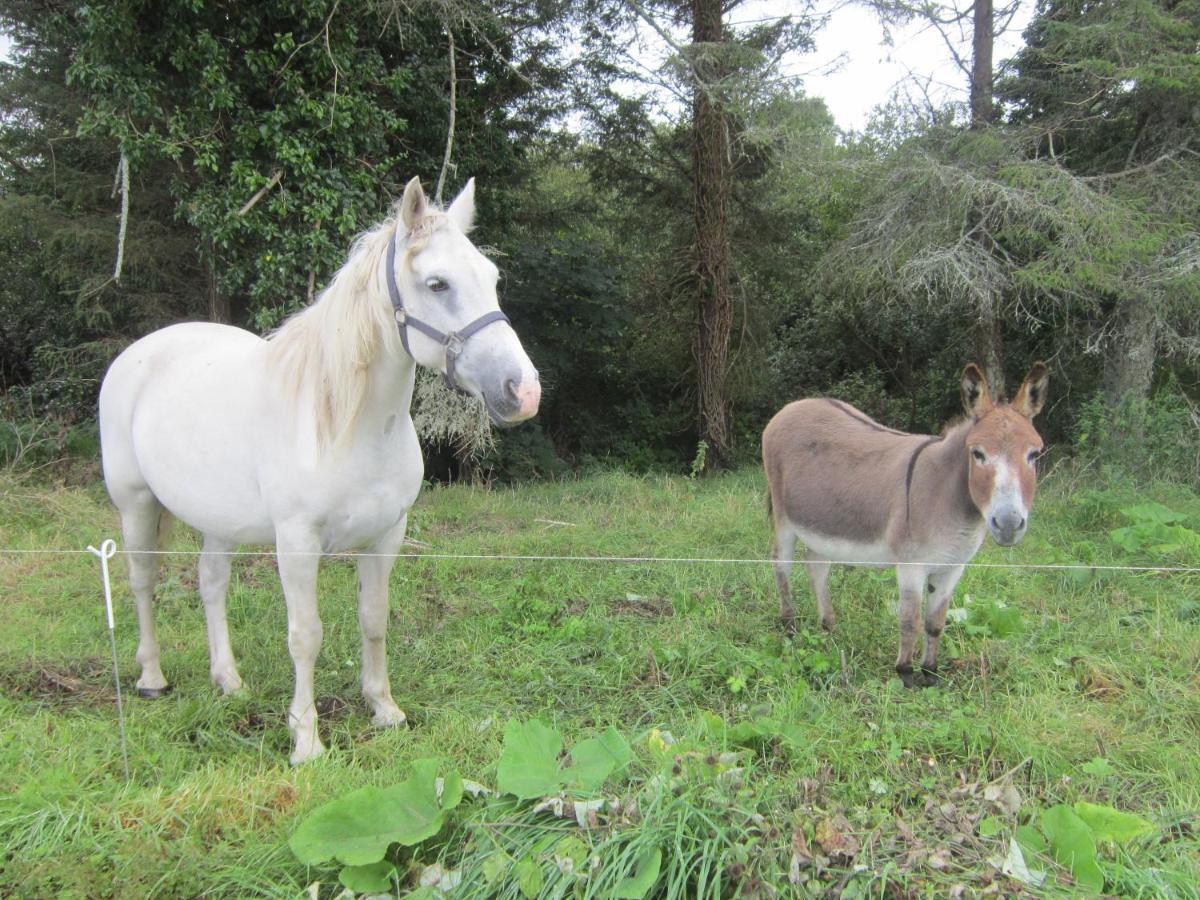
(437, 285)
(1032, 456)
(978, 455)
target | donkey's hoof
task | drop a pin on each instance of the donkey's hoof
(928, 678)
(907, 677)
(153, 693)
(789, 625)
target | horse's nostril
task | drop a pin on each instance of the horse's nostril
(1021, 526)
(510, 390)
(995, 522)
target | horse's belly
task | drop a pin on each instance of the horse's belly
(195, 433)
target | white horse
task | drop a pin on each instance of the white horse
(305, 440)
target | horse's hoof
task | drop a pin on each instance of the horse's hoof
(153, 693)
(390, 719)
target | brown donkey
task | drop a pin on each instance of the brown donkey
(861, 494)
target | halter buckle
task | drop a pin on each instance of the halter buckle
(401, 315)
(454, 344)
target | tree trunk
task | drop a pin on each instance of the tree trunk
(711, 191)
(1129, 365)
(989, 347)
(988, 330)
(218, 303)
(983, 111)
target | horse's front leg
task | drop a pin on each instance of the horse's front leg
(941, 584)
(374, 568)
(912, 584)
(299, 555)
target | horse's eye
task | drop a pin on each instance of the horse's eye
(979, 455)
(436, 285)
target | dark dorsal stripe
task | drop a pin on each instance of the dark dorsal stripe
(861, 417)
(908, 476)
(912, 461)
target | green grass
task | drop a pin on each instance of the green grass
(1105, 667)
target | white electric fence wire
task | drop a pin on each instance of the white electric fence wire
(689, 560)
(107, 551)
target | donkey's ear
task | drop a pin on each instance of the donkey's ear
(975, 396)
(1031, 396)
(462, 210)
(413, 205)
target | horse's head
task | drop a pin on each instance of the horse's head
(1002, 449)
(444, 294)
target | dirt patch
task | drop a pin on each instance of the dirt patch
(85, 682)
(645, 607)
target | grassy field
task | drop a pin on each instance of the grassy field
(1063, 686)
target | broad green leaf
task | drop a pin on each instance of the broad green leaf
(1097, 766)
(1153, 513)
(1073, 845)
(990, 825)
(452, 790)
(594, 760)
(1110, 824)
(496, 867)
(1031, 841)
(528, 765)
(374, 878)
(645, 874)
(358, 828)
(572, 848)
(529, 877)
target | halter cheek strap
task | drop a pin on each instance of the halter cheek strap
(452, 341)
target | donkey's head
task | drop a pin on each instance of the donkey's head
(1002, 450)
(444, 293)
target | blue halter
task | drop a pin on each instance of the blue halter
(452, 341)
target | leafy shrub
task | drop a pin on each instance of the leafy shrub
(1158, 439)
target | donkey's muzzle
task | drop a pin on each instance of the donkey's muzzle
(1007, 528)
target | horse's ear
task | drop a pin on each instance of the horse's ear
(413, 205)
(1031, 396)
(976, 398)
(462, 210)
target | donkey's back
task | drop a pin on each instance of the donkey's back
(836, 475)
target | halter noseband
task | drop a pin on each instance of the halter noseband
(452, 341)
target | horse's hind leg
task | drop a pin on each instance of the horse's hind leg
(785, 554)
(818, 574)
(215, 563)
(373, 572)
(142, 518)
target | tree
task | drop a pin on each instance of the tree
(1111, 90)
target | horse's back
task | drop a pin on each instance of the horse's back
(833, 471)
(179, 411)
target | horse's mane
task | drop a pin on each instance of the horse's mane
(329, 346)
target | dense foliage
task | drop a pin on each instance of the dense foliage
(260, 144)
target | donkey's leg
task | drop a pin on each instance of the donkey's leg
(785, 554)
(141, 515)
(912, 583)
(373, 572)
(299, 554)
(940, 585)
(215, 563)
(818, 574)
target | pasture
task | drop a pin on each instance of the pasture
(1061, 687)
